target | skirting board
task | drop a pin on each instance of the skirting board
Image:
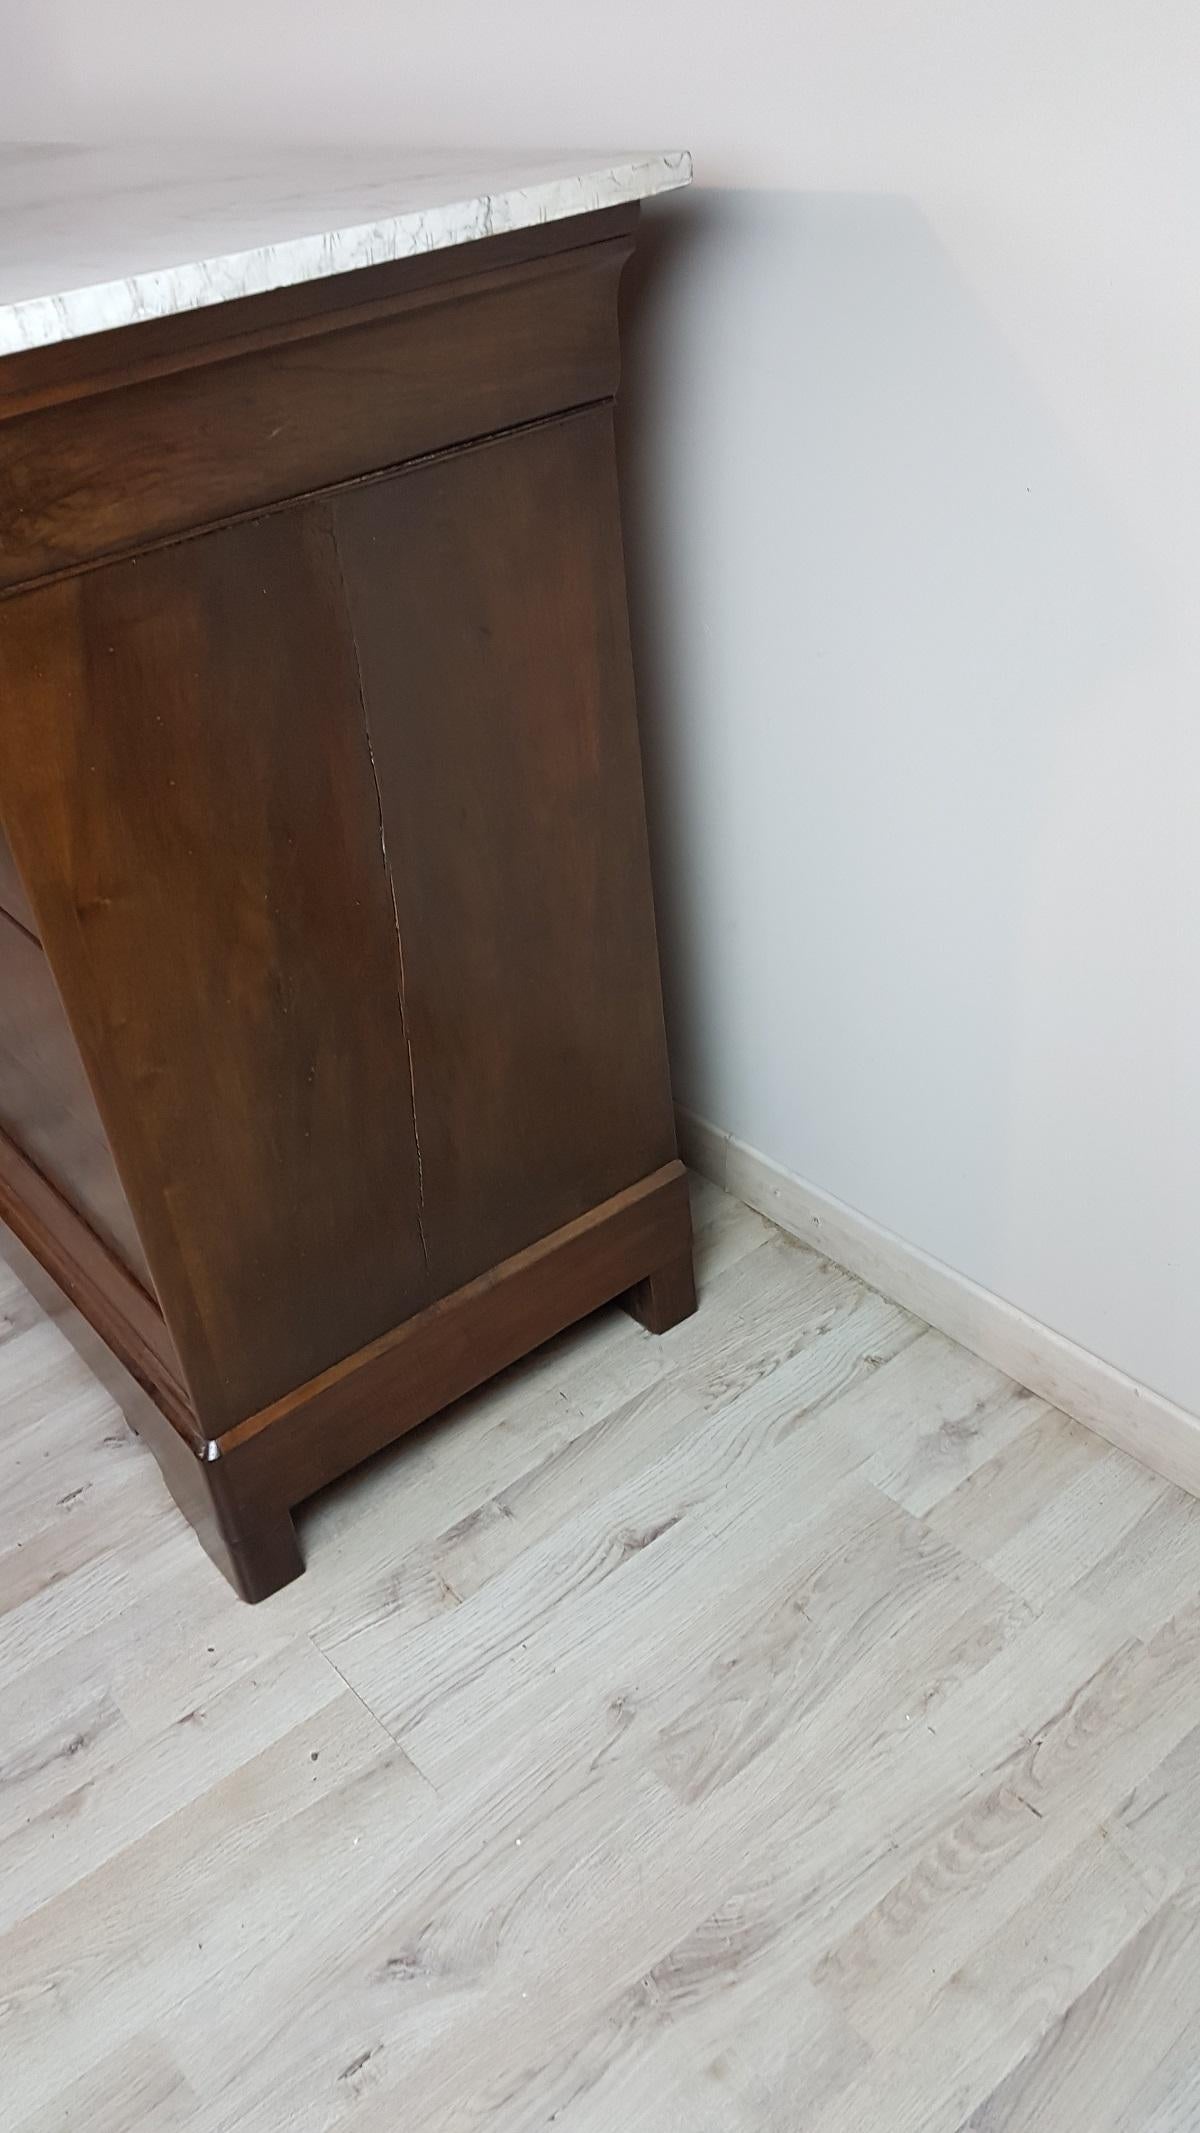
(1152, 1428)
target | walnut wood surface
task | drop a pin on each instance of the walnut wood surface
(127, 355)
(787, 1727)
(46, 1105)
(194, 810)
(98, 1284)
(666, 1295)
(13, 901)
(360, 1405)
(329, 817)
(417, 372)
(486, 600)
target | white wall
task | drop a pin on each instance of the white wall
(914, 496)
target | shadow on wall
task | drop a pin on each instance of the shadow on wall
(873, 596)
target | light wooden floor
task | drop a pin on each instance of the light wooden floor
(785, 1725)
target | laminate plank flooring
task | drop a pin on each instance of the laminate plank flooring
(789, 1724)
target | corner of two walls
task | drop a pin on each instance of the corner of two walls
(892, 641)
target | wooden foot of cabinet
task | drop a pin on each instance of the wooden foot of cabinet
(262, 1561)
(254, 1546)
(666, 1296)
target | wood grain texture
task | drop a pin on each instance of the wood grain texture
(46, 1106)
(126, 355)
(486, 599)
(665, 1296)
(13, 901)
(409, 375)
(329, 819)
(663, 1745)
(425, 982)
(288, 1450)
(97, 1282)
(190, 794)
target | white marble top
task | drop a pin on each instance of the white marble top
(92, 238)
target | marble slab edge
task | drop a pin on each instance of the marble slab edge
(39, 321)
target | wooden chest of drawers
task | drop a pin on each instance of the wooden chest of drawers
(332, 1066)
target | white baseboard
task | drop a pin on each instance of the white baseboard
(1146, 1424)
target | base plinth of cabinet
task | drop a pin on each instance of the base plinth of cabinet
(255, 1473)
(238, 1490)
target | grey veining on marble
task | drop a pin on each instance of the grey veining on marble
(95, 238)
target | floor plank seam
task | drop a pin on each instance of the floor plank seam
(388, 1737)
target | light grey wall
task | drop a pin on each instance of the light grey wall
(913, 459)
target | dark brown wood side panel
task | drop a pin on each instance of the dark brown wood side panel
(83, 479)
(487, 597)
(100, 1287)
(13, 901)
(46, 1106)
(189, 789)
